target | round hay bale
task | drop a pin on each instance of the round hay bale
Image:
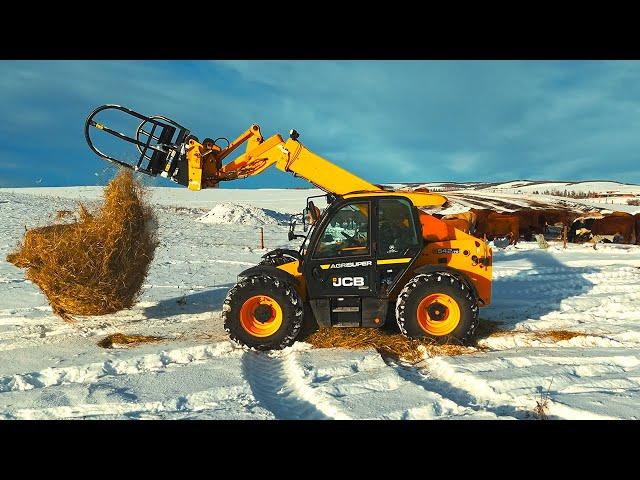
(98, 264)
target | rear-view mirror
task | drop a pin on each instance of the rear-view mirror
(313, 213)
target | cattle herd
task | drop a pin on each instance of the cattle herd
(619, 227)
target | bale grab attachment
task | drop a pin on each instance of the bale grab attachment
(167, 148)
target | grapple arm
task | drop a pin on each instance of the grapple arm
(170, 150)
(159, 147)
(167, 148)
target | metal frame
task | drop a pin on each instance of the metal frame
(170, 151)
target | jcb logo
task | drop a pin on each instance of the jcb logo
(348, 281)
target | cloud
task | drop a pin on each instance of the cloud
(388, 121)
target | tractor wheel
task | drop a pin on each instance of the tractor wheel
(263, 312)
(439, 306)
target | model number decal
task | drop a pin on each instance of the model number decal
(446, 250)
(348, 281)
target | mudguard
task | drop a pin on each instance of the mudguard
(280, 256)
(451, 271)
(269, 270)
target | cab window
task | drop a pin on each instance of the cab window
(347, 233)
(397, 234)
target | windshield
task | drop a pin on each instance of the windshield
(347, 233)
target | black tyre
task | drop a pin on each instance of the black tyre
(263, 312)
(439, 306)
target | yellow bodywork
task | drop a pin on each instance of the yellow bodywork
(419, 199)
(292, 269)
(206, 171)
(480, 274)
(451, 247)
(194, 160)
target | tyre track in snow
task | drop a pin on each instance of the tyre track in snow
(29, 332)
(568, 374)
(560, 273)
(278, 384)
(196, 404)
(367, 386)
(487, 401)
(571, 288)
(582, 291)
(572, 291)
(92, 372)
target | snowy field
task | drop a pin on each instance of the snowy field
(522, 193)
(50, 369)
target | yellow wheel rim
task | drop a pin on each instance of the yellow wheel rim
(260, 316)
(438, 314)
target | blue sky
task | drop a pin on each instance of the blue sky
(387, 121)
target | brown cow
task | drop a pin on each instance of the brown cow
(468, 217)
(459, 223)
(558, 217)
(481, 218)
(592, 214)
(616, 224)
(497, 225)
(530, 222)
(637, 219)
(619, 223)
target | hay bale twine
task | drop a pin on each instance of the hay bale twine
(98, 264)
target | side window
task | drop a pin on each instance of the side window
(347, 233)
(396, 228)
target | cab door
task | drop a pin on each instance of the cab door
(340, 268)
(399, 241)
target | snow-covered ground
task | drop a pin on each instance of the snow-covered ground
(52, 369)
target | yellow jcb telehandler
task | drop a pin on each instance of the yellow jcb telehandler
(371, 256)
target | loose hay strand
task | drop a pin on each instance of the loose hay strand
(122, 339)
(98, 264)
(557, 335)
(399, 347)
(393, 345)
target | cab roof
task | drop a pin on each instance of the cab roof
(419, 199)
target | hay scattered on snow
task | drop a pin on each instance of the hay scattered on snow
(62, 214)
(557, 335)
(98, 264)
(492, 331)
(122, 339)
(488, 328)
(394, 345)
(399, 347)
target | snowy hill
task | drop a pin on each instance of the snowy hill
(602, 186)
(507, 196)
